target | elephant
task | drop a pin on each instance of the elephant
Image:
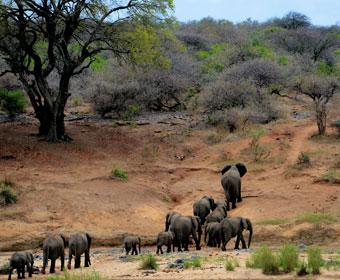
(165, 238)
(18, 261)
(53, 248)
(131, 242)
(203, 206)
(231, 227)
(79, 243)
(183, 227)
(217, 215)
(214, 231)
(170, 218)
(231, 182)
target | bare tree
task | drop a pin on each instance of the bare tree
(294, 20)
(320, 90)
(40, 37)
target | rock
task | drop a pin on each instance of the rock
(171, 265)
(149, 272)
(36, 270)
(302, 246)
(37, 257)
(182, 260)
(115, 251)
(96, 252)
(179, 266)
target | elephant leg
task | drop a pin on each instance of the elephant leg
(19, 272)
(10, 273)
(23, 272)
(136, 252)
(62, 261)
(127, 249)
(161, 250)
(244, 246)
(29, 269)
(169, 249)
(157, 251)
(179, 243)
(52, 268)
(186, 244)
(69, 259)
(237, 243)
(87, 258)
(77, 262)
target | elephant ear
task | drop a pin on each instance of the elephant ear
(244, 223)
(212, 203)
(241, 169)
(225, 169)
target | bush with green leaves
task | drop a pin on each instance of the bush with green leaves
(12, 102)
(303, 158)
(314, 259)
(288, 257)
(301, 269)
(148, 262)
(117, 172)
(231, 263)
(7, 195)
(265, 259)
(196, 262)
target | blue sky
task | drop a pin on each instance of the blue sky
(321, 12)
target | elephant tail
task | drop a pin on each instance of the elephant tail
(139, 244)
(88, 240)
(45, 258)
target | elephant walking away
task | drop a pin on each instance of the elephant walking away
(231, 182)
(165, 238)
(217, 215)
(185, 226)
(79, 244)
(53, 248)
(131, 242)
(170, 218)
(231, 227)
(213, 230)
(18, 261)
(202, 207)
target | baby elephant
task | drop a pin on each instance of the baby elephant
(18, 261)
(79, 243)
(132, 242)
(165, 238)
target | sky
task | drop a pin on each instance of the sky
(320, 12)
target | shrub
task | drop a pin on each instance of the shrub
(12, 102)
(187, 264)
(148, 262)
(259, 152)
(288, 257)
(314, 259)
(7, 193)
(78, 276)
(77, 100)
(302, 269)
(264, 259)
(303, 158)
(4, 269)
(196, 262)
(119, 173)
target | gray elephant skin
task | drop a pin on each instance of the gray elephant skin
(183, 227)
(165, 238)
(231, 227)
(53, 248)
(18, 261)
(202, 207)
(131, 242)
(231, 182)
(219, 213)
(213, 232)
(170, 218)
(79, 244)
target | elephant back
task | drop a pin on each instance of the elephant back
(78, 243)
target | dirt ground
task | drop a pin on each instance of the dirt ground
(171, 161)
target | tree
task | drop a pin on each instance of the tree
(320, 90)
(294, 20)
(41, 38)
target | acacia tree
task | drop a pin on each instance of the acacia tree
(43, 37)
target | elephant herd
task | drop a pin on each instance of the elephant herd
(178, 229)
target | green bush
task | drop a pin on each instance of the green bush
(12, 102)
(303, 158)
(302, 269)
(187, 264)
(77, 101)
(8, 196)
(229, 265)
(119, 173)
(196, 262)
(4, 269)
(288, 257)
(314, 259)
(264, 259)
(78, 276)
(148, 262)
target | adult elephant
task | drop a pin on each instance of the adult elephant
(185, 226)
(202, 207)
(53, 248)
(18, 261)
(231, 227)
(231, 182)
(170, 218)
(213, 230)
(79, 244)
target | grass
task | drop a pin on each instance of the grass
(196, 262)
(272, 222)
(288, 257)
(166, 199)
(264, 259)
(78, 276)
(117, 172)
(231, 263)
(331, 176)
(303, 158)
(187, 264)
(148, 262)
(7, 194)
(302, 269)
(314, 259)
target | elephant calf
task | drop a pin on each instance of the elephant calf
(18, 261)
(165, 238)
(214, 232)
(53, 248)
(217, 215)
(231, 227)
(131, 242)
(79, 243)
(203, 206)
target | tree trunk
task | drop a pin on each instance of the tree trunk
(321, 119)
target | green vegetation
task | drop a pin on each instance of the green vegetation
(288, 257)
(4, 269)
(231, 263)
(187, 264)
(77, 100)
(196, 262)
(301, 269)
(148, 262)
(331, 176)
(259, 151)
(78, 276)
(7, 195)
(12, 102)
(314, 259)
(117, 172)
(303, 158)
(166, 199)
(264, 259)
